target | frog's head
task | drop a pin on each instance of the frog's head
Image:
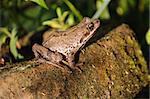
(88, 27)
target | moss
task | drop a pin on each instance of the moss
(113, 67)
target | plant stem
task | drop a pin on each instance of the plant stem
(101, 9)
(73, 9)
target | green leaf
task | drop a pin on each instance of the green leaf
(52, 23)
(62, 22)
(5, 31)
(58, 11)
(41, 3)
(105, 14)
(123, 7)
(148, 37)
(12, 44)
(70, 20)
(2, 38)
(64, 15)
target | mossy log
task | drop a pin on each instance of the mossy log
(114, 68)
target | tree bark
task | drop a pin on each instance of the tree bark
(114, 67)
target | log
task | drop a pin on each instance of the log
(114, 67)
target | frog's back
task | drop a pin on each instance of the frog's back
(64, 43)
(69, 41)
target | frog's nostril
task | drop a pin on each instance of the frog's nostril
(97, 21)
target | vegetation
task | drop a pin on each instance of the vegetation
(22, 19)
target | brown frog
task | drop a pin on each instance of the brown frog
(62, 45)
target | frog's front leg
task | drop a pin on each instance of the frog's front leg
(71, 63)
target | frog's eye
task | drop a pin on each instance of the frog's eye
(90, 26)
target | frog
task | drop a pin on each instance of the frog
(61, 46)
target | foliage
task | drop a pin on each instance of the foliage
(41, 3)
(33, 16)
(102, 9)
(73, 9)
(60, 23)
(148, 36)
(13, 40)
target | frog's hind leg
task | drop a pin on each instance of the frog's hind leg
(39, 51)
(44, 55)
